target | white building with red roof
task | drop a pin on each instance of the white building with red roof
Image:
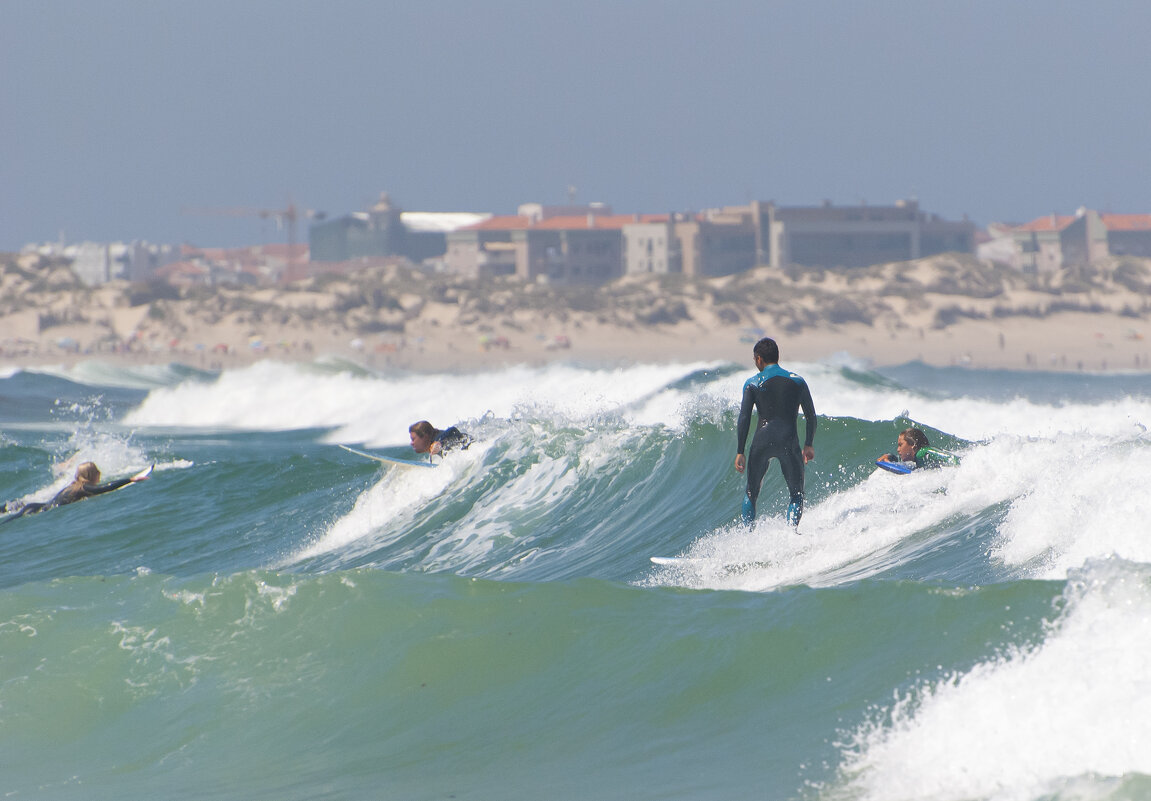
(1054, 241)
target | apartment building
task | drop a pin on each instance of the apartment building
(592, 245)
(856, 236)
(545, 244)
(736, 238)
(97, 263)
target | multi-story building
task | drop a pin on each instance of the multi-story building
(736, 238)
(713, 243)
(856, 236)
(590, 244)
(386, 230)
(1040, 244)
(97, 263)
(556, 244)
(486, 249)
(1053, 241)
(1127, 234)
(652, 247)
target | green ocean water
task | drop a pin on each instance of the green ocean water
(270, 616)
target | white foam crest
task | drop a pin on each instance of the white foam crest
(1073, 712)
(96, 373)
(539, 470)
(1069, 499)
(836, 395)
(267, 396)
(853, 534)
(384, 511)
(675, 406)
(114, 454)
(524, 502)
(1079, 499)
(525, 505)
(975, 419)
(376, 410)
(392, 508)
(112, 451)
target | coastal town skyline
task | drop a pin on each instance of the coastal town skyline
(129, 114)
(592, 245)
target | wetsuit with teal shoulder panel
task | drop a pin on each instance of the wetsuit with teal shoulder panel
(926, 458)
(776, 395)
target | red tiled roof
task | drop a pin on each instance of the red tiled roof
(1050, 222)
(1126, 222)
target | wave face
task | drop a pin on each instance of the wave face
(272, 616)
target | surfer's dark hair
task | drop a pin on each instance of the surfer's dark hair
(915, 437)
(424, 429)
(767, 350)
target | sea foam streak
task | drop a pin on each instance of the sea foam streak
(376, 409)
(1077, 503)
(1032, 723)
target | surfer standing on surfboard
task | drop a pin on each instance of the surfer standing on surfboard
(426, 438)
(85, 484)
(777, 396)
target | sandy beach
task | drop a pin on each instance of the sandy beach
(945, 311)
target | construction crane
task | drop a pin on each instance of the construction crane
(284, 218)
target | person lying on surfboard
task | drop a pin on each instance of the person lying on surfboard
(85, 484)
(426, 438)
(913, 450)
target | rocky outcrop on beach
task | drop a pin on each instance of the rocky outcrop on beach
(395, 309)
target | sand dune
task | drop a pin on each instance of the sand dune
(944, 310)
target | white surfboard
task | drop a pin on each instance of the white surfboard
(388, 459)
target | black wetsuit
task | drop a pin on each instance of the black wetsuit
(777, 396)
(452, 437)
(70, 494)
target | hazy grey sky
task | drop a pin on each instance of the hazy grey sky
(117, 115)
